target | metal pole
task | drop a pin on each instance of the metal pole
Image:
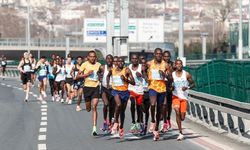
(67, 46)
(204, 45)
(249, 25)
(123, 44)
(181, 30)
(110, 26)
(240, 32)
(28, 25)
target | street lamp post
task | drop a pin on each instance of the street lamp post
(181, 30)
(240, 33)
(28, 26)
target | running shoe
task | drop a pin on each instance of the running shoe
(138, 128)
(78, 108)
(94, 133)
(151, 127)
(169, 124)
(114, 128)
(44, 94)
(62, 100)
(70, 102)
(121, 133)
(142, 129)
(105, 126)
(165, 127)
(40, 98)
(133, 128)
(156, 136)
(53, 98)
(180, 137)
(160, 125)
(26, 100)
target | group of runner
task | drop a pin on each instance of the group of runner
(152, 87)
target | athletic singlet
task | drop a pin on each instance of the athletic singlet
(145, 85)
(3, 63)
(68, 69)
(26, 66)
(93, 79)
(138, 87)
(60, 74)
(76, 70)
(156, 82)
(104, 79)
(50, 72)
(180, 82)
(117, 83)
(43, 70)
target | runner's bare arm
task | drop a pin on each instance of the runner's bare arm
(130, 79)
(20, 66)
(190, 80)
(108, 78)
(100, 72)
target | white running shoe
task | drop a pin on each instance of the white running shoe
(78, 108)
(161, 125)
(57, 98)
(180, 137)
(62, 100)
(70, 102)
(44, 94)
(53, 98)
(40, 98)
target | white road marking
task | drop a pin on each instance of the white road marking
(34, 95)
(44, 113)
(30, 92)
(44, 109)
(8, 85)
(20, 89)
(44, 106)
(44, 118)
(43, 130)
(44, 102)
(42, 137)
(44, 123)
(3, 83)
(42, 147)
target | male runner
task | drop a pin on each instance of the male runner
(136, 95)
(25, 68)
(167, 106)
(59, 72)
(182, 83)
(78, 83)
(121, 77)
(157, 69)
(42, 71)
(108, 99)
(3, 66)
(69, 66)
(51, 78)
(90, 72)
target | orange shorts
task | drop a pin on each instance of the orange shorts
(138, 97)
(180, 103)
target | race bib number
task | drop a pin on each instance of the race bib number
(26, 68)
(117, 81)
(93, 76)
(156, 75)
(43, 72)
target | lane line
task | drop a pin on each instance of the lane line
(44, 113)
(44, 109)
(42, 130)
(44, 118)
(44, 106)
(42, 147)
(43, 123)
(42, 137)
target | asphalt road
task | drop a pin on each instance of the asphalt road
(56, 126)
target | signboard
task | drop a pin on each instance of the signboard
(150, 30)
(139, 30)
(95, 30)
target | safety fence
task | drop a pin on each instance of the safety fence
(220, 114)
(229, 79)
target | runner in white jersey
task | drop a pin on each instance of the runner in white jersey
(42, 71)
(182, 82)
(108, 99)
(136, 95)
(59, 71)
(69, 66)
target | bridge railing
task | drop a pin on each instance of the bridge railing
(220, 114)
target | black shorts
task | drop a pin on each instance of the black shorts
(108, 93)
(25, 77)
(78, 85)
(3, 68)
(146, 97)
(69, 81)
(91, 93)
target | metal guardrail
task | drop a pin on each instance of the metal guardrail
(223, 115)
